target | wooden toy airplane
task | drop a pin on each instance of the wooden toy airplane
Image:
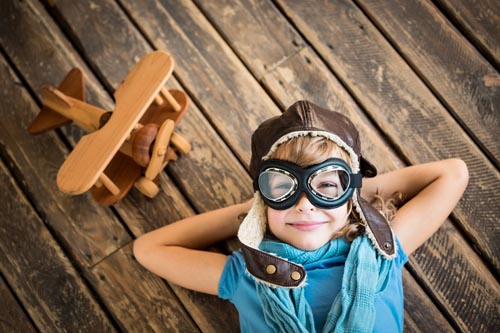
(128, 146)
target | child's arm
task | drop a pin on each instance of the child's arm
(174, 251)
(430, 190)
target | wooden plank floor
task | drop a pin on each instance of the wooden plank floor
(420, 79)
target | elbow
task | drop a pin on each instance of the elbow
(139, 249)
(459, 172)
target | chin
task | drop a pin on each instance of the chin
(309, 246)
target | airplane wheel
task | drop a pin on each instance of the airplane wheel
(180, 144)
(147, 187)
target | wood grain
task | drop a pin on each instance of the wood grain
(150, 305)
(421, 314)
(12, 317)
(41, 275)
(455, 71)
(480, 21)
(260, 24)
(120, 273)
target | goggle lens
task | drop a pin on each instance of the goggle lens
(329, 183)
(277, 184)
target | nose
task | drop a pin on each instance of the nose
(303, 204)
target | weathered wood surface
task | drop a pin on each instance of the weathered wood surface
(12, 316)
(117, 275)
(43, 278)
(421, 315)
(480, 23)
(242, 62)
(455, 71)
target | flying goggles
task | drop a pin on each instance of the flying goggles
(327, 185)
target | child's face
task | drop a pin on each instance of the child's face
(305, 226)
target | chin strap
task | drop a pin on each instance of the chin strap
(272, 270)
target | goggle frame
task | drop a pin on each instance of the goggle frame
(302, 178)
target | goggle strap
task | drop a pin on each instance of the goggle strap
(356, 180)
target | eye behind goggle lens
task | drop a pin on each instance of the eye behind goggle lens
(329, 183)
(276, 184)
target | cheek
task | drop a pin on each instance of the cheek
(271, 216)
(344, 212)
(340, 214)
(274, 218)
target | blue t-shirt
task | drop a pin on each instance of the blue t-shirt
(324, 280)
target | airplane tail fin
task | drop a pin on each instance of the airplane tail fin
(48, 118)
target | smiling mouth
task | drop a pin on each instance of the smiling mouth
(306, 226)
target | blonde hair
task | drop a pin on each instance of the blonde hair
(309, 150)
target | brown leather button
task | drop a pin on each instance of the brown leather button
(270, 269)
(295, 276)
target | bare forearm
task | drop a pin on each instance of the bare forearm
(199, 231)
(173, 252)
(409, 181)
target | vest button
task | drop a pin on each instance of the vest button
(270, 269)
(295, 276)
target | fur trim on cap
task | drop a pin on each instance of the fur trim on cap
(253, 227)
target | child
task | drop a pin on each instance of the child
(315, 255)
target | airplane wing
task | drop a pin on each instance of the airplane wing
(94, 151)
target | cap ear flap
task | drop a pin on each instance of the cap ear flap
(378, 229)
(273, 270)
(258, 263)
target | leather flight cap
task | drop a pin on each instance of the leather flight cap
(304, 116)
(301, 119)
